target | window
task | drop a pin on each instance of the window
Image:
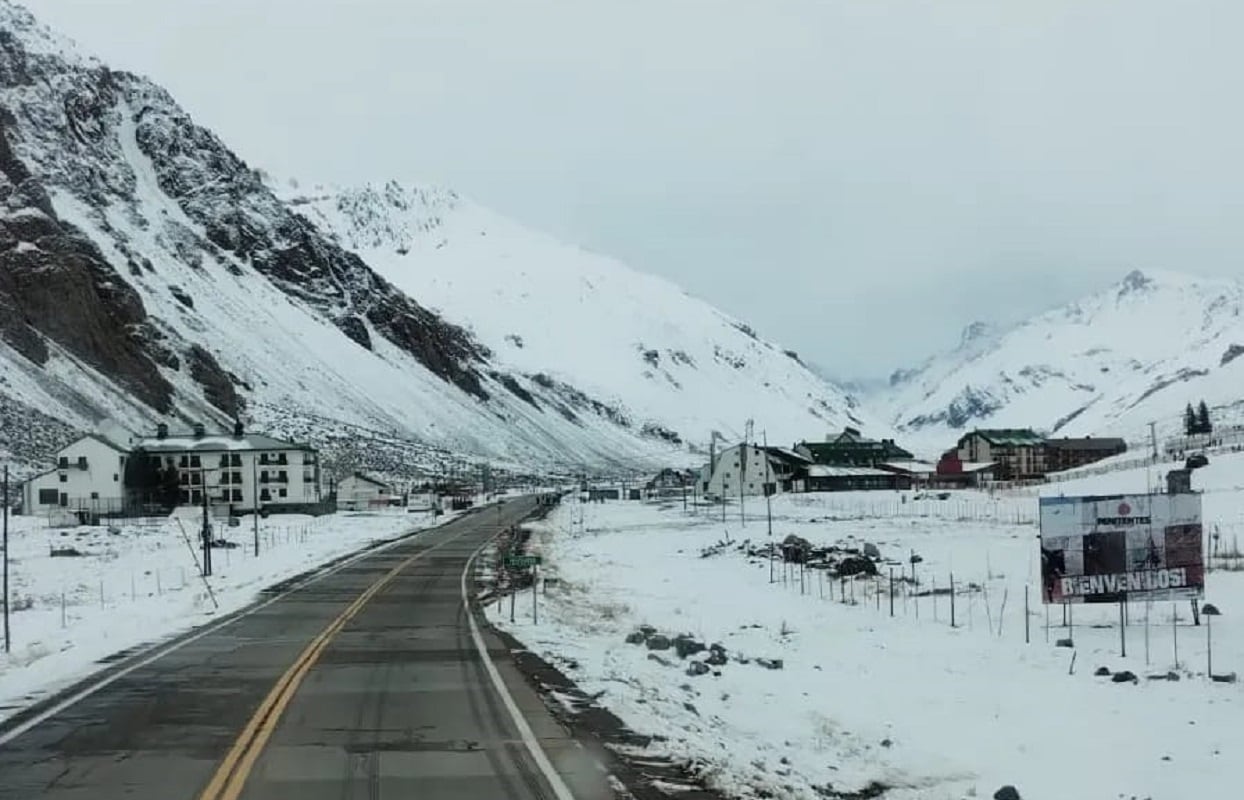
(263, 476)
(183, 462)
(64, 479)
(81, 462)
(94, 495)
(265, 495)
(196, 497)
(48, 497)
(184, 496)
(237, 495)
(194, 461)
(280, 493)
(235, 459)
(64, 499)
(64, 462)
(115, 477)
(281, 477)
(224, 461)
(196, 478)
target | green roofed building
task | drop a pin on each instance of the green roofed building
(851, 449)
(1019, 453)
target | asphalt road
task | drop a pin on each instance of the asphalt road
(363, 684)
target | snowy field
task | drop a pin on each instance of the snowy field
(141, 584)
(865, 699)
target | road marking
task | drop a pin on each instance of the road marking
(560, 790)
(158, 652)
(230, 777)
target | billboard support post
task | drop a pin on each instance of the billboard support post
(1027, 622)
(1209, 647)
(1148, 605)
(1175, 631)
(1122, 631)
(952, 599)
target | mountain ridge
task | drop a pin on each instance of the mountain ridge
(147, 272)
(1133, 352)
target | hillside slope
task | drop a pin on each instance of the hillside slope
(557, 313)
(148, 273)
(1110, 363)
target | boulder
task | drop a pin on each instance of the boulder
(647, 630)
(1124, 676)
(871, 551)
(635, 638)
(697, 668)
(856, 565)
(1064, 643)
(658, 642)
(685, 646)
(1102, 672)
(1007, 793)
(716, 658)
(770, 663)
(795, 549)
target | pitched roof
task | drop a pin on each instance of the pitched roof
(213, 443)
(827, 471)
(1087, 443)
(371, 480)
(1015, 437)
(782, 454)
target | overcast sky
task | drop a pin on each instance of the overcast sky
(859, 179)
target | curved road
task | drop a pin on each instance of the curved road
(364, 683)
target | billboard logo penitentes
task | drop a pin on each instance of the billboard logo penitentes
(1121, 547)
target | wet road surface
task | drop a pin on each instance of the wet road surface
(366, 683)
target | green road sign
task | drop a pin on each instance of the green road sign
(522, 561)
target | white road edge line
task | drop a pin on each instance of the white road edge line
(560, 790)
(162, 651)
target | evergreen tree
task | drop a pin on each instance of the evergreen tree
(1203, 423)
(1190, 421)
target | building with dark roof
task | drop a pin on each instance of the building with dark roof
(852, 449)
(1069, 453)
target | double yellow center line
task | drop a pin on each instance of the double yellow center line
(231, 775)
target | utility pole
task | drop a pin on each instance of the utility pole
(207, 525)
(768, 503)
(1153, 438)
(255, 498)
(7, 643)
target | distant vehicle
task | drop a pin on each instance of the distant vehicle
(1196, 460)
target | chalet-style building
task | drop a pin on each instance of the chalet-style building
(1017, 453)
(851, 449)
(88, 477)
(96, 477)
(753, 470)
(359, 492)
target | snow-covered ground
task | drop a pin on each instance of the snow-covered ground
(141, 584)
(906, 700)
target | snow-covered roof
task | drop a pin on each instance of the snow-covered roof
(915, 467)
(215, 443)
(827, 471)
(976, 466)
(789, 455)
(101, 439)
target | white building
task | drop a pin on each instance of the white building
(89, 476)
(241, 470)
(746, 469)
(359, 492)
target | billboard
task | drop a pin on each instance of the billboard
(1118, 548)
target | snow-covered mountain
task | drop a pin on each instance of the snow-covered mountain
(147, 273)
(1109, 364)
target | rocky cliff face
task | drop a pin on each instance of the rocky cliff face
(147, 273)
